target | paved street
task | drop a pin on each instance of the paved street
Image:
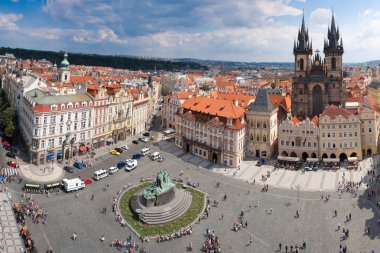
(316, 225)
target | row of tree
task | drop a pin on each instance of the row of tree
(114, 61)
(8, 116)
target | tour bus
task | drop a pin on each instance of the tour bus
(145, 151)
(155, 156)
(99, 174)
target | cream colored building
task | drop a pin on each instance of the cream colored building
(140, 112)
(170, 107)
(339, 134)
(263, 116)
(213, 129)
(298, 138)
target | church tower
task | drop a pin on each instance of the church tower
(317, 83)
(64, 70)
(333, 49)
(302, 51)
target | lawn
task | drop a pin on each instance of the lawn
(183, 221)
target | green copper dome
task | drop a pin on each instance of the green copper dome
(65, 63)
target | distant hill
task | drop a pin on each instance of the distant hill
(114, 61)
(240, 65)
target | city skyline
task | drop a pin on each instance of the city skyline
(252, 31)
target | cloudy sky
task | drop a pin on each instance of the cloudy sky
(237, 30)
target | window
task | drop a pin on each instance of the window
(60, 140)
(44, 131)
(258, 125)
(282, 142)
(45, 120)
(52, 119)
(340, 135)
(292, 143)
(35, 132)
(43, 144)
(61, 118)
(370, 130)
(76, 116)
(76, 105)
(264, 125)
(356, 134)
(75, 126)
(60, 129)
(51, 130)
(323, 144)
(264, 138)
(62, 107)
(53, 107)
(333, 63)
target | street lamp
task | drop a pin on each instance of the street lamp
(298, 192)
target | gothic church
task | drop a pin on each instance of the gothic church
(317, 82)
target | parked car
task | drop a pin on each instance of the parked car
(69, 169)
(137, 156)
(135, 142)
(10, 154)
(12, 164)
(120, 150)
(160, 159)
(112, 170)
(5, 143)
(152, 137)
(125, 147)
(145, 139)
(140, 139)
(9, 148)
(121, 165)
(79, 165)
(87, 180)
(114, 152)
(147, 134)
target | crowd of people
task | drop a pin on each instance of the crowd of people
(212, 243)
(129, 245)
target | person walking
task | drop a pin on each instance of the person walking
(336, 213)
(74, 236)
(279, 246)
(286, 248)
(338, 226)
(250, 241)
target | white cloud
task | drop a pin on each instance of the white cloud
(8, 21)
(320, 16)
(46, 33)
(102, 35)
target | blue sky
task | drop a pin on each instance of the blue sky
(237, 30)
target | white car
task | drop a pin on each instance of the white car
(145, 139)
(112, 169)
(125, 147)
(131, 164)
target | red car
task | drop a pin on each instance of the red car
(87, 180)
(12, 164)
(5, 144)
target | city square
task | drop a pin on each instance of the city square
(316, 224)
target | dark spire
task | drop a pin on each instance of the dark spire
(303, 44)
(332, 43)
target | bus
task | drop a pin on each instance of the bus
(99, 174)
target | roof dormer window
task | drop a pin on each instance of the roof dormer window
(76, 105)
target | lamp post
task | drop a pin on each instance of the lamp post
(298, 192)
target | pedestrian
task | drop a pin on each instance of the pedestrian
(222, 216)
(336, 213)
(349, 216)
(279, 246)
(304, 244)
(258, 203)
(102, 238)
(286, 248)
(74, 236)
(338, 226)
(250, 241)
(92, 197)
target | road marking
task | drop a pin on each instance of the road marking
(257, 239)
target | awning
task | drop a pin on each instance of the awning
(331, 160)
(59, 154)
(288, 158)
(82, 148)
(95, 141)
(352, 159)
(109, 140)
(312, 159)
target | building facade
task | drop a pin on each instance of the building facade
(298, 138)
(213, 129)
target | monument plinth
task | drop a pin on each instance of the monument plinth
(161, 202)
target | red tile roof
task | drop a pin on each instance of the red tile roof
(213, 106)
(333, 111)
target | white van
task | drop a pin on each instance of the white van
(145, 151)
(131, 164)
(73, 184)
(112, 169)
(99, 174)
(155, 156)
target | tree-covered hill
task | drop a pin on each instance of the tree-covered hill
(114, 61)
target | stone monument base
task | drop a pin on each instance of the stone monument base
(154, 215)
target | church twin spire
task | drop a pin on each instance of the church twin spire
(303, 44)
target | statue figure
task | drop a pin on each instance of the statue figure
(162, 184)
